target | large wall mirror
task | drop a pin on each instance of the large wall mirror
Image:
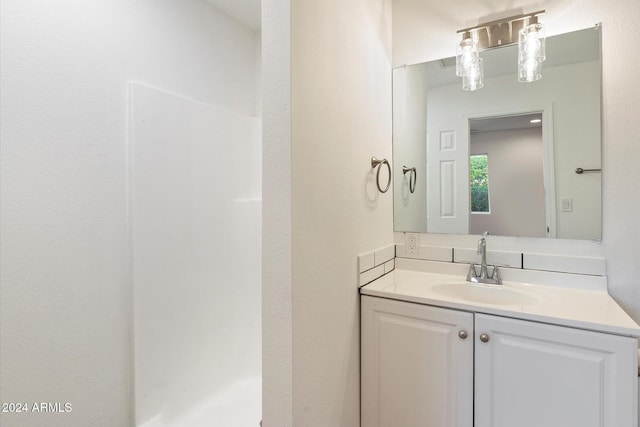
(503, 158)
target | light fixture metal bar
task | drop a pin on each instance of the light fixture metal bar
(501, 32)
(503, 20)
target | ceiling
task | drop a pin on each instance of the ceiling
(246, 12)
(492, 124)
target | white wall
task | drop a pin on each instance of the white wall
(428, 32)
(516, 187)
(410, 147)
(277, 345)
(340, 116)
(65, 298)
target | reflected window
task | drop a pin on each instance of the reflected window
(479, 177)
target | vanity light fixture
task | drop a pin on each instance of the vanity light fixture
(466, 54)
(531, 51)
(474, 77)
(468, 62)
(522, 29)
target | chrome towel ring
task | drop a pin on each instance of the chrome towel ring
(413, 177)
(378, 163)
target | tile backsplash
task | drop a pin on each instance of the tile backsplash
(500, 258)
(564, 263)
(593, 266)
(374, 264)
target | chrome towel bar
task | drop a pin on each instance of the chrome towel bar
(580, 171)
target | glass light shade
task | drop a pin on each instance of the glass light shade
(474, 79)
(531, 43)
(466, 55)
(530, 70)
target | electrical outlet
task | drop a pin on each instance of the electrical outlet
(411, 243)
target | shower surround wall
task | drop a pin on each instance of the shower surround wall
(66, 293)
(195, 232)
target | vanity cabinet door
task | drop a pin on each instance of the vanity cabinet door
(531, 375)
(417, 365)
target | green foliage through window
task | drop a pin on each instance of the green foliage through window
(479, 177)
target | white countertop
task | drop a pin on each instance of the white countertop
(586, 309)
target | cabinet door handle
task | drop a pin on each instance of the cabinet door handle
(484, 337)
(463, 335)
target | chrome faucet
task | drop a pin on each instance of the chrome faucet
(482, 250)
(484, 276)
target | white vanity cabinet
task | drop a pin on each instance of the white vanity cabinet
(419, 369)
(530, 374)
(417, 365)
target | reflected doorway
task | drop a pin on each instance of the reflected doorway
(507, 176)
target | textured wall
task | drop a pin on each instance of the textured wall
(277, 358)
(341, 117)
(320, 207)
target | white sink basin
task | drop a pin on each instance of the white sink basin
(485, 294)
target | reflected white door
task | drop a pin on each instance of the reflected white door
(448, 176)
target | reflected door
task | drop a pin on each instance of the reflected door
(447, 175)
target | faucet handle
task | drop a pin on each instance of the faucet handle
(485, 234)
(472, 272)
(496, 275)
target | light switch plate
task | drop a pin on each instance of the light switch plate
(566, 204)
